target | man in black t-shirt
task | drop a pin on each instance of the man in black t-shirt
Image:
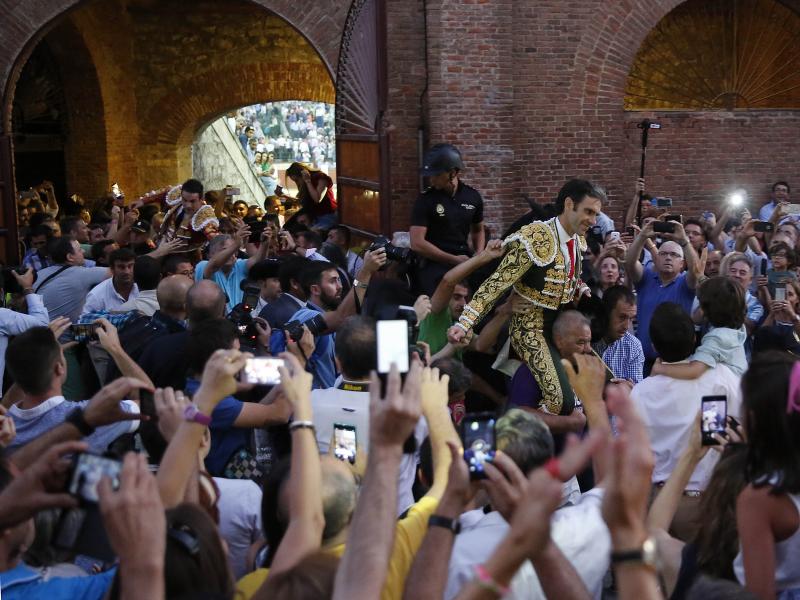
(444, 217)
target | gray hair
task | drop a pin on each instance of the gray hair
(217, 242)
(568, 320)
(525, 438)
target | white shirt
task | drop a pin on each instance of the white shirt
(669, 408)
(146, 303)
(564, 237)
(239, 507)
(334, 405)
(579, 531)
(14, 323)
(104, 297)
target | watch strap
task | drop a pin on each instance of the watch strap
(192, 413)
(453, 525)
(359, 284)
(77, 420)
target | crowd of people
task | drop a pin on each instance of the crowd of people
(203, 401)
(285, 132)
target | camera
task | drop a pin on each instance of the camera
(248, 334)
(10, 284)
(316, 325)
(401, 255)
(594, 239)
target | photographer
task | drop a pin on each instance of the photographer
(665, 281)
(443, 217)
(14, 323)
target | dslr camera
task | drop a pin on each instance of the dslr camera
(9, 282)
(316, 325)
(401, 255)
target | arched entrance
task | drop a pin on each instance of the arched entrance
(163, 71)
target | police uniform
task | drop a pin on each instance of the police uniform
(449, 221)
(535, 266)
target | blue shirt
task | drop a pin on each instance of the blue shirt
(650, 293)
(625, 358)
(765, 212)
(229, 283)
(321, 363)
(14, 323)
(226, 439)
(723, 345)
(24, 583)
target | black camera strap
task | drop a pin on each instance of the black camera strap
(51, 277)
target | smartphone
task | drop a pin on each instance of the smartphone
(392, 338)
(661, 227)
(232, 191)
(764, 267)
(84, 332)
(477, 435)
(344, 442)
(256, 229)
(663, 202)
(792, 209)
(714, 414)
(262, 370)
(780, 292)
(613, 236)
(708, 215)
(763, 227)
(87, 471)
(251, 297)
(676, 218)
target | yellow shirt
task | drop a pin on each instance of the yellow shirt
(408, 536)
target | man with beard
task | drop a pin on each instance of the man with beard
(323, 288)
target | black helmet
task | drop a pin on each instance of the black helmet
(441, 158)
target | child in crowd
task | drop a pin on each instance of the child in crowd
(722, 303)
(783, 264)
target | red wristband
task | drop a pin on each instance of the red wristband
(553, 467)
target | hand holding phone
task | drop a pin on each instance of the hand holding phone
(714, 414)
(478, 437)
(262, 370)
(780, 292)
(84, 332)
(87, 471)
(392, 342)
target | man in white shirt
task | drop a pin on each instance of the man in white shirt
(348, 402)
(146, 275)
(670, 406)
(579, 530)
(111, 294)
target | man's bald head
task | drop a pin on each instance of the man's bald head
(171, 295)
(205, 300)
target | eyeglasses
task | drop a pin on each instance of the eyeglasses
(670, 254)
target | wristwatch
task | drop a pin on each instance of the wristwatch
(453, 525)
(78, 420)
(359, 284)
(646, 555)
(193, 414)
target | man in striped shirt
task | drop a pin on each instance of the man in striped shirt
(620, 349)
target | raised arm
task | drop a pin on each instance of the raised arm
(216, 262)
(433, 390)
(373, 261)
(109, 340)
(441, 296)
(633, 207)
(632, 264)
(261, 252)
(363, 567)
(306, 520)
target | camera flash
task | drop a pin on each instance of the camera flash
(736, 199)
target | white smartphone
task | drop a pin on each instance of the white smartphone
(262, 370)
(392, 338)
(780, 292)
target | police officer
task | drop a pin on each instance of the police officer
(444, 216)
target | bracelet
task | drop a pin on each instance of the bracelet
(487, 582)
(302, 425)
(78, 421)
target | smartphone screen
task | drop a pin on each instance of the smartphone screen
(763, 266)
(84, 332)
(344, 442)
(479, 445)
(251, 296)
(714, 411)
(88, 470)
(262, 370)
(392, 345)
(780, 292)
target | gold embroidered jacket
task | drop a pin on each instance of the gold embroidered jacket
(534, 266)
